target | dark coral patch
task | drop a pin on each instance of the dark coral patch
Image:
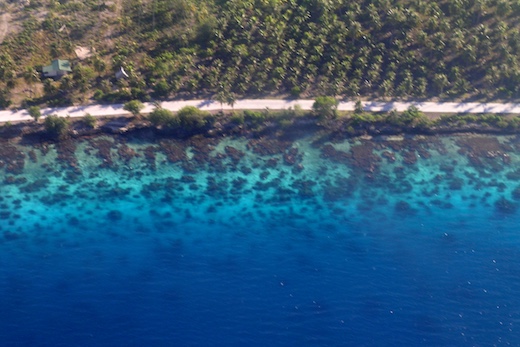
(329, 152)
(35, 186)
(505, 206)
(67, 154)
(104, 151)
(149, 155)
(175, 151)
(516, 193)
(126, 153)
(15, 180)
(11, 158)
(114, 215)
(291, 156)
(234, 154)
(409, 157)
(403, 208)
(11, 236)
(268, 146)
(363, 157)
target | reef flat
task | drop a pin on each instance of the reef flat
(270, 238)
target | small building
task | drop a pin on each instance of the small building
(57, 68)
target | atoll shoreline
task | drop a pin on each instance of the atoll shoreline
(225, 125)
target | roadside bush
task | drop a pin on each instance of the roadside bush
(255, 118)
(57, 127)
(237, 118)
(163, 117)
(325, 107)
(34, 112)
(411, 117)
(134, 107)
(192, 118)
(90, 121)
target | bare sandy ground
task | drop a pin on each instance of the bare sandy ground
(82, 52)
(4, 25)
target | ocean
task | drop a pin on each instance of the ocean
(274, 241)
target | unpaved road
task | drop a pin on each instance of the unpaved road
(272, 104)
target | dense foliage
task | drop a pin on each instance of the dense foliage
(134, 107)
(57, 127)
(228, 49)
(325, 106)
(188, 118)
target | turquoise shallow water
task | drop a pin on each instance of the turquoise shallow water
(368, 242)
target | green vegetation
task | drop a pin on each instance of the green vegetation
(412, 118)
(487, 120)
(90, 121)
(192, 118)
(188, 118)
(163, 117)
(134, 107)
(34, 112)
(57, 127)
(230, 49)
(325, 107)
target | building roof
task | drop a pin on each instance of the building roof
(57, 65)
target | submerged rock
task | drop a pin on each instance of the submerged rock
(403, 208)
(505, 206)
(516, 193)
(114, 215)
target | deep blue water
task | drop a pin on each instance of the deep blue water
(348, 249)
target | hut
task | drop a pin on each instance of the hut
(57, 68)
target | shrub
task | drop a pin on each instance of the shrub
(134, 107)
(5, 102)
(503, 124)
(98, 94)
(237, 118)
(254, 118)
(296, 91)
(90, 121)
(325, 107)
(163, 117)
(358, 107)
(191, 118)
(34, 112)
(297, 111)
(161, 89)
(57, 127)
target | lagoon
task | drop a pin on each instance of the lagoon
(305, 240)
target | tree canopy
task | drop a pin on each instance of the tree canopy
(236, 48)
(325, 107)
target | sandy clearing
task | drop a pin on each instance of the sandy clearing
(82, 52)
(4, 25)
